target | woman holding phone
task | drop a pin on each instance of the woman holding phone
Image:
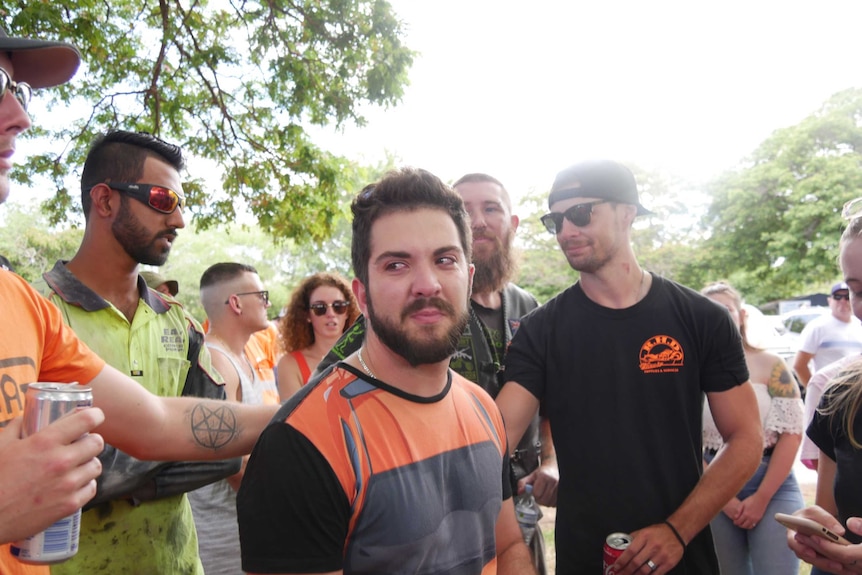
(837, 431)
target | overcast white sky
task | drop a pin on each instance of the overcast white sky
(522, 89)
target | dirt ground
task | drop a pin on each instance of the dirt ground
(549, 515)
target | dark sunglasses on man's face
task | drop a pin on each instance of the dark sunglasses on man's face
(840, 296)
(579, 214)
(160, 198)
(22, 91)
(339, 307)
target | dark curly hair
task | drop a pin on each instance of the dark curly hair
(296, 331)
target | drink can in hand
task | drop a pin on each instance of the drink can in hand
(615, 544)
(45, 403)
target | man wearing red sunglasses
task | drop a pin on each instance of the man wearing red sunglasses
(132, 199)
(52, 473)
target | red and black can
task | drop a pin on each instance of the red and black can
(615, 544)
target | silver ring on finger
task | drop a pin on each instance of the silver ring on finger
(652, 566)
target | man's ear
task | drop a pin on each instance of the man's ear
(515, 221)
(361, 295)
(100, 198)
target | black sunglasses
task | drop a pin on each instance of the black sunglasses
(840, 296)
(21, 90)
(264, 295)
(339, 307)
(579, 214)
(160, 198)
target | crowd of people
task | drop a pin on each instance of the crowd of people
(364, 433)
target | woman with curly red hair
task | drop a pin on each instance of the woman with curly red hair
(321, 308)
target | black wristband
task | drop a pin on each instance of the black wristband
(676, 533)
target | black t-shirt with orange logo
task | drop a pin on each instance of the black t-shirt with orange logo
(624, 390)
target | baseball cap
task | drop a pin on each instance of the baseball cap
(838, 287)
(154, 280)
(603, 179)
(40, 63)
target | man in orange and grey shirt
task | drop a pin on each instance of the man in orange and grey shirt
(404, 463)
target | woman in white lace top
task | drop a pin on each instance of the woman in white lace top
(747, 539)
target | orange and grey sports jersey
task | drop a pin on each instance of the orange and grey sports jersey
(356, 475)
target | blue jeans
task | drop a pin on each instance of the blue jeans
(762, 550)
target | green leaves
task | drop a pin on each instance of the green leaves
(234, 83)
(776, 221)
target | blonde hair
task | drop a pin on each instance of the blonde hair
(845, 393)
(845, 389)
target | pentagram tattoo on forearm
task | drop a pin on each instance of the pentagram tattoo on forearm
(213, 428)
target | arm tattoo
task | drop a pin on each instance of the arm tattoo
(781, 382)
(213, 426)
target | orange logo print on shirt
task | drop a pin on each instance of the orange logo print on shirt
(661, 354)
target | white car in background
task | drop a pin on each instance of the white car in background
(793, 322)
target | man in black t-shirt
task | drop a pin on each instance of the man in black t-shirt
(620, 362)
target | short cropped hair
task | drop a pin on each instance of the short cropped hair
(403, 190)
(479, 178)
(118, 156)
(225, 271)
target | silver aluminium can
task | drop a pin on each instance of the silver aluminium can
(45, 403)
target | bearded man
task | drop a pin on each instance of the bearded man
(404, 463)
(496, 308)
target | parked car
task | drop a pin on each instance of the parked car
(795, 320)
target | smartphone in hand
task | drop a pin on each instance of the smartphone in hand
(809, 527)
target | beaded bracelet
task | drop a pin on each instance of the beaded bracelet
(676, 533)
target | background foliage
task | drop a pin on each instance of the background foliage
(238, 84)
(235, 83)
(775, 222)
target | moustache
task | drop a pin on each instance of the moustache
(423, 303)
(170, 234)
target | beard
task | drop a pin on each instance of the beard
(418, 350)
(136, 240)
(495, 269)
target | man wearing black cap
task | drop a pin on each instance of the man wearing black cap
(51, 473)
(620, 362)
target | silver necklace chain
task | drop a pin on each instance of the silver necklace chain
(640, 286)
(364, 366)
